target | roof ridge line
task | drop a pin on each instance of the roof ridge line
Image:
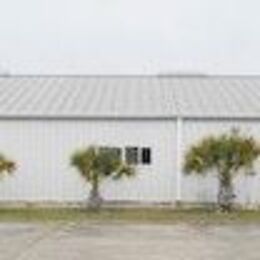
(159, 76)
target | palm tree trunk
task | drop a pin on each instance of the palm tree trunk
(95, 200)
(225, 194)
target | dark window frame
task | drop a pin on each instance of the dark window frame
(135, 155)
(132, 155)
(146, 155)
(117, 150)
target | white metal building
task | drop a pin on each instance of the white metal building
(43, 119)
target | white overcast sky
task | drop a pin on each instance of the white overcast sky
(130, 36)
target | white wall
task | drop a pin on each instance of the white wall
(195, 188)
(42, 150)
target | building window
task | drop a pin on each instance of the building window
(136, 155)
(114, 151)
(146, 155)
(131, 155)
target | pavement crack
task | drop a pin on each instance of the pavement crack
(30, 246)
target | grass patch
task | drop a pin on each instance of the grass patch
(137, 216)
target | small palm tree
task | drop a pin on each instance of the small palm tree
(96, 164)
(227, 154)
(6, 166)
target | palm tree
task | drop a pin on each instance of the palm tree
(96, 164)
(227, 154)
(6, 166)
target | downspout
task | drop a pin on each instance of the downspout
(177, 97)
(179, 159)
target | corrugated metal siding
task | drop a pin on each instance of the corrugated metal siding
(42, 150)
(129, 97)
(85, 97)
(195, 188)
(42, 147)
(228, 97)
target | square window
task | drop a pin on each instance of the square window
(131, 155)
(113, 151)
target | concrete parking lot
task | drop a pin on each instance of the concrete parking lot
(78, 241)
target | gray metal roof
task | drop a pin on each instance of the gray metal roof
(129, 97)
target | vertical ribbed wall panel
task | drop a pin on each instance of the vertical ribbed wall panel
(196, 188)
(42, 149)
